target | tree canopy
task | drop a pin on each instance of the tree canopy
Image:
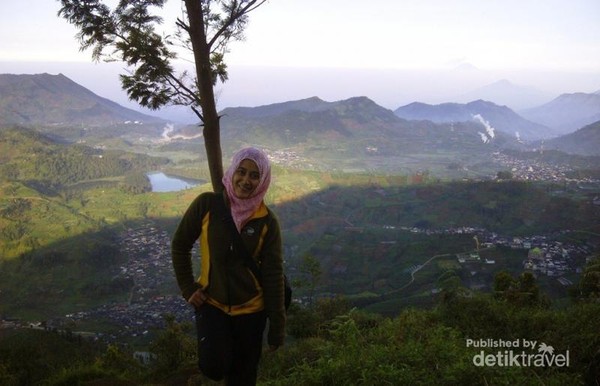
(130, 33)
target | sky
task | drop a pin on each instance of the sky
(389, 50)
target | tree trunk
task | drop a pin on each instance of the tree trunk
(212, 129)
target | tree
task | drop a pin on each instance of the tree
(521, 291)
(450, 284)
(311, 268)
(504, 175)
(589, 284)
(503, 283)
(174, 347)
(130, 31)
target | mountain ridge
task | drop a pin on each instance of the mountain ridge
(583, 141)
(55, 100)
(567, 112)
(500, 117)
(356, 125)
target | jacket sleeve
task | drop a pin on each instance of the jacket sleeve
(272, 280)
(183, 241)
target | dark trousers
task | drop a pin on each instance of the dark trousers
(229, 347)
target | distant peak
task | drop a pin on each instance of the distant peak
(480, 102)
(314, 99)
(359, 99)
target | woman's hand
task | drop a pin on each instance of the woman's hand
(197, 299)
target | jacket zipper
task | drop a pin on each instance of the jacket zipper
(228, 274)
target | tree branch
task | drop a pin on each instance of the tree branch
(233, 17)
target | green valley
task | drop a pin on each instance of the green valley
(64, 208)
(399, 255)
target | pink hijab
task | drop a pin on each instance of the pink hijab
(243, 209)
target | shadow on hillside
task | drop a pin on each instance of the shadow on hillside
(360, 235)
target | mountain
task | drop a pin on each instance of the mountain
(356, 125)
(302, 120)
(361, 109)
(56, 101)
(585, 141)
(308, 105)
(499, 117)
(503, 92)
(567, 113)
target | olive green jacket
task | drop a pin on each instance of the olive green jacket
(226, 280)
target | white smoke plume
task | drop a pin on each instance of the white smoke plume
(167, 134)
(518, 136)
(489, 130)
(168, 129)
(484, 138)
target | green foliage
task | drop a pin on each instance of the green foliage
(136, 183)
(47, 189)
(414, 348)
(521, 291)
(310, 268)
(78, 375)
(350, 347)
(504, 175)
(589, 285)
(128, 33)
(173, 348)
(28, 357)
(429, 347)
(312, 321)
(117, 361)
(49, 166)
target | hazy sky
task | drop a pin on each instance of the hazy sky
(346, 46)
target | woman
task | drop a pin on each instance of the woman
(231, 302)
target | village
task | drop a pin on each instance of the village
(148, 249)
(536, 170)
(545, 254)
(149, 264)
(155, 293)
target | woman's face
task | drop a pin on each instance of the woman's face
(245, 179)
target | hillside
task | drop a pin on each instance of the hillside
(27, 155)
(585, 141)
(500, 118)
(350, 223)
(567, 113)
(335, 345)
(307, 105)
(357, 129)
(40, 179)
(296, 121)
(55, 101)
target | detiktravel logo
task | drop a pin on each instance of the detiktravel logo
(516, 353)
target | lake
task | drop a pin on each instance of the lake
(162, 182)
